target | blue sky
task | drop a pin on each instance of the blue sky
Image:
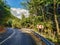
(15, 3)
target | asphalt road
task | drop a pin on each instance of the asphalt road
(16, 37)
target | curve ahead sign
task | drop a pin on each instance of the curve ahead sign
(40, 26)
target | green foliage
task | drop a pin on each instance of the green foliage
(4, 12)
(6, 18)
(44, 12)
(9, 23)
(33, 21)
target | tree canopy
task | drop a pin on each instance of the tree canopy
(4, 12)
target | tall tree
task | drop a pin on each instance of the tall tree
(55, 16)
(4, 12)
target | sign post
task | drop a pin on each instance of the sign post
(40, 27)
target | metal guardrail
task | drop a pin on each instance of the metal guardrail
(43, 39)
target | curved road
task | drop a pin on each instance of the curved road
(16, 37)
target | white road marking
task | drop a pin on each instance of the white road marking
(8, 37)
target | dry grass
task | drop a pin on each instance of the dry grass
(2, 30)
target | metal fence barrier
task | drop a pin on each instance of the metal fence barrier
(47, 42)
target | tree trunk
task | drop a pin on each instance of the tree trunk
(55, 16)
(43, 14)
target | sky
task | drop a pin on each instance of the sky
(14, 3)
(16, 8)
(18, 12)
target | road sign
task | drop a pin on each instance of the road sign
(40, 26)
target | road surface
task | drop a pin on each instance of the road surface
(16, 37)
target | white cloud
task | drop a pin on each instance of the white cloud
(18, 12)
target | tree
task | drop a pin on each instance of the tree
(55, 16)
(4, 12)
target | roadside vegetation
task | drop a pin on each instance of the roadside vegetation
(46, 13)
